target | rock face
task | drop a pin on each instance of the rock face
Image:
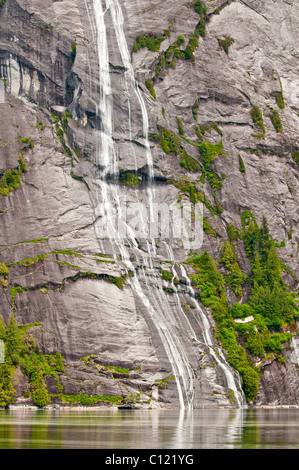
(102, 302)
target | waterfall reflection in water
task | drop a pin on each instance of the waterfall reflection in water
(149, 429)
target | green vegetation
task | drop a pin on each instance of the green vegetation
(202, 10)
(180, 126)
(26, 140)
(119, 370)
(225, 43)
(11, 179)
(170, 143)
(149, 41)
(20, 350)
(280, 100)
(269, 296)
(150, 86)
(295, 156)
(4, 271)
(235, 277)
(208, 153)
(195, 110)
(129, 179)
(16, 290)
(270, 303)
(74, 52)
(232, 233)
(214, 126)
(257, 118)
(275, 119)
(118, 281)
(212, 294)
(2, 3)
(29, 261)
(168, 58)
(88, 399)
(61, 130)
(194, 194)
(241, 165)
(79, 178)
(166, 275)
(47, 29)
(163, 383)
(188, 53)
(37, 365)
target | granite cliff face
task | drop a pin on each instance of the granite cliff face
(89, 127)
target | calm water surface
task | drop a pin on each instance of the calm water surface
(149, 429)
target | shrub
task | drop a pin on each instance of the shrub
(228, 256)
(257, 118)
(39, 392)
(22, 165)
(171, 143)
(129, 179)
(4, 271)
(10, 180)
(89, 399)
(150, 86)
(152, 43)
(255, 342)
(276, 340)
(275, 119)
(241, 165)
(295, 156)
(201, 28)
(201, 9)
(281, 359)
(7, 391)
(232, 233)
(235, 279)
(279, 100)
(180, 126)
(208, 152)
(225, 43)
(74, 52)
(212, 294)
(13, 342)
(241, 310)
(180, 40)
(166, 275)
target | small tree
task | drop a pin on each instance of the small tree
(228, 256)
(39, 392)
(13, 341)
(7, 392)
(2, 328)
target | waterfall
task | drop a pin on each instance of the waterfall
(167, 320)
(218, 354)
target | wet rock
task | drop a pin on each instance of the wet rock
(48, 61)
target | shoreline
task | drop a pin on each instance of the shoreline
(59, 407)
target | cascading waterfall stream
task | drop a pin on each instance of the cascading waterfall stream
(218, 356)
(152, 296)
(110, 198)
(205, 328)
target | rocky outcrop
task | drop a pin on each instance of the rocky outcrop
(73, 283)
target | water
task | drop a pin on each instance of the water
(167, 319)
(150, 429)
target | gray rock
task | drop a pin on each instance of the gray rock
(56, 210)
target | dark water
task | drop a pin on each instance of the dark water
(149, 429)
